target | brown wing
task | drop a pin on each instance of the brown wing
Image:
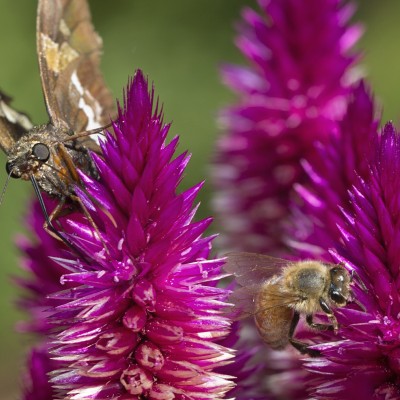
(253, 268)
(69, 52)
(13, 124)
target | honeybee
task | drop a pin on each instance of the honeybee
(276, 292)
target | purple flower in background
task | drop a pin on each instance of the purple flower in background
(44, 272)
(139, 314)
(36, 379)
(43, 279)
(292, 95)
(332, 172)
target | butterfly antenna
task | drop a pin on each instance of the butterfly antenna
(44, 209)
(3, 192)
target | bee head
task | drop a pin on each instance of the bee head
(339, 289)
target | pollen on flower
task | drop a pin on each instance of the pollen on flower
(136, 380)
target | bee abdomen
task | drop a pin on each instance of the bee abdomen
(273, 319)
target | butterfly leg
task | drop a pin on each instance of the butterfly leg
(55, 214)
(88, 133)
(303, 348)
(91, 221)
(48, 225)
(75, 176)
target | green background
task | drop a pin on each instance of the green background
(179, 44)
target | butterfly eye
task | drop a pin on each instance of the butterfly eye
(9, 168)
(41, 152)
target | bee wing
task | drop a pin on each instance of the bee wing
(69, 52)
(242, 299)
(245, 301)
(253, 268)
(13, 124)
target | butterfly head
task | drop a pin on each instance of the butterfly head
(47, 155)
(28, 156)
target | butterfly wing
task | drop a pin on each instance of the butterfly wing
(69, 51)
(13, 124)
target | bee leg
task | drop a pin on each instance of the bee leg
(300, 346)
(327, 310)
(319, 327)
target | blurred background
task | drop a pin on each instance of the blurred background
(179, 45)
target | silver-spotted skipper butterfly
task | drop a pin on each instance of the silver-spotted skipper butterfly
(77, 101)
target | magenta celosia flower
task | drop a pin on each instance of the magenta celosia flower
(352, 210)
(290, 96)
(36, 379)
(139, 316)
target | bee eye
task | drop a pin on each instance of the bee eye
(41, 152)
(9, 168)
(337, 297)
